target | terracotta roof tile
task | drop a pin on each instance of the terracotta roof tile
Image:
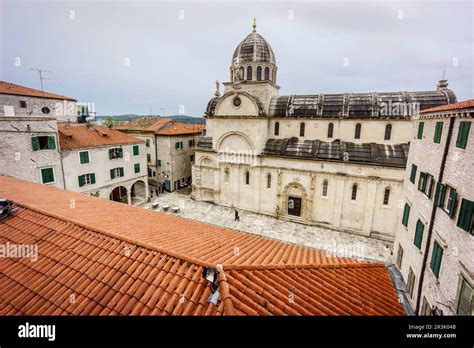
(145, 124)
(79, 135)
(179, 128)
(163, 273)
(467, 104)
(13, 89)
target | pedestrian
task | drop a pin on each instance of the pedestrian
(237, 217)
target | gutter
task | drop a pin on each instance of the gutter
(433, 215)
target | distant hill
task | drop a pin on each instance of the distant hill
(178, 118)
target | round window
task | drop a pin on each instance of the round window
(45, 110)
(236, 102)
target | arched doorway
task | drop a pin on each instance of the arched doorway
(119, 194)
(138, 192)
(294, 200)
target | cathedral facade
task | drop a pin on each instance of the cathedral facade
(333, 160)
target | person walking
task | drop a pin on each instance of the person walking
(237, 217)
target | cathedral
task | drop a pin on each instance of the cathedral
(331, 160)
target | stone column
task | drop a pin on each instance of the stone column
(129, 196)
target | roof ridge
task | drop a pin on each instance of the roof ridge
(225, 291)
(120, 237)
(361, 264)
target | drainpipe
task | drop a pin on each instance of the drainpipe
(156, 163)
(433, 214)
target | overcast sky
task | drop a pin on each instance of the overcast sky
(125, 56)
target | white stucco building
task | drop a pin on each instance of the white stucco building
(434, 245)
(103, 162)
(335, 160)
(170, 150)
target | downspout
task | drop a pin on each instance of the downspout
(156, 163)
(433, 214)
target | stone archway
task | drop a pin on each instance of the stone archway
(138, 192)
(294, 200)
(119, 194)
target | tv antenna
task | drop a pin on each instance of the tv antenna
(41, 71)
(444, 73)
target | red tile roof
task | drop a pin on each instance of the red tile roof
(118, 259)
(145, 124)
(79, 135)
(467, 104)
(179, 128)
(13, 89)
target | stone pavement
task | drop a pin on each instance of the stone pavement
(340, 243)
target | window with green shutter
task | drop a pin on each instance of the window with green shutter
(436, 258)
(51, 143)
(81, 180)
(148, 157)
(413, 173)
(438, 132)
(47, 175)
(137, 167)
(112, 174)
(419, 234)
(449, 200)
(43, 143)
(115, 153)
(463, 134)
(86, 179)
(465, 218)
(422, 182)
(121, 171)
(439, 196)
(136, 150)
(421, 125)
(35, 143)
(159, 163)
(84, 157)
(465, 298)
(406, 215)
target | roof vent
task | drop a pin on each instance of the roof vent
(212, 275)
(5, 208)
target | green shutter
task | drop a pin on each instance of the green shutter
(112, 173)
(47, 175)
(438, 132)
(111, 151)
(422, 181)
(176, 145)
(121, 171)
(463, 134)
(92, 178)
(120, 153)
(430, 189)
(84, 157)
(136, 150)
(81, 180)
(413, 173)
(452, 204)
(465, 215)
(51, 143)
(137, 167)
(436, 258)
(419, 234)
(35, 143)
(159, 163)
(420, 130)
(406, 215)
(440, 191)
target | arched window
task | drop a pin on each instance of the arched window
(259, 73)
(267, 73)
(249, 73)
(325, 188)
(247, 177)
(242, 73)
(302, 126)
(386, 195)
(277, 128)
(330, 130)
(269, 180)
(388, 132)
(226, 175)
(354, 192)
(357, 131)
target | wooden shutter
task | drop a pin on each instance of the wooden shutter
(438, 132)
(121, 171)
(92, 178)
(452, 204)
(81, 180)
(137, 167)
(35, 143)
(419, 234)
(136, 150)
(420, 130)
(406, 215)
(51, 143)
(120, 153)
(413, 173)
(112, 173)
(84, 157)
(465, 298)
(439, 197)
(436, 258)
(111, 153)
(463, 134)
(422, 181)
(430, 189)
(465, 215)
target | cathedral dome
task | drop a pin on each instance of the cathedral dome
(253, 49)
(253, 59)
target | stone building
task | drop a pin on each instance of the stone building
(170, 150)
(16, 100)
(103, 162)
(335, 160)
(434, 245)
